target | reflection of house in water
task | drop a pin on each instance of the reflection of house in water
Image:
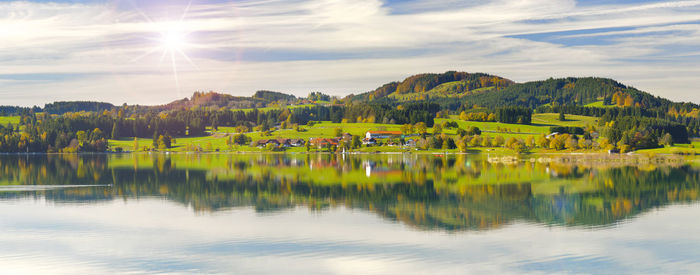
(372, 169)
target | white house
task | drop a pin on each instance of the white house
(382, 134)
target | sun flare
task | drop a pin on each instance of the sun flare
(173, 40)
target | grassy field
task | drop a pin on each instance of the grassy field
(552, 119)
(5, 120)
(448, 89)
(599, 104)
(692, 148)
(217, 139)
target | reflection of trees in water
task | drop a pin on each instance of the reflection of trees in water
(423, 191)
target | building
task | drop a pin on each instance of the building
(297, 142)
(369, 141)
(265, 142)
(410, 143)
(280, 142)
(382, 134)
(323, 142)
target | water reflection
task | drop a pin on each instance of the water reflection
(424, 191)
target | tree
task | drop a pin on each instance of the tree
(164, 142)
(542, 141)
(241, 139)
(338, 132)
(571, 143)
(161, 143)
(407, 129)
(229, 142)
(475, 141)
(558, 142)
(462, 145)
(530, 142)
(510, 142)
(486, 142)
(519, 147)
(498, 141)
(667, 140)
(463, 116)
(420, 128)
(356, 142)
(115, 130)
(242, 129)
(562, 117)
(82, 137)
(437, 129)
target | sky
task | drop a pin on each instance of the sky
(153, 52)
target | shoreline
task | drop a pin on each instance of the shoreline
(505, 154)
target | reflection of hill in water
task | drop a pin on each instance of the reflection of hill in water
(455, 193)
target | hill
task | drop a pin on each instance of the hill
(568, 91)
(212, 99)
(461, 90)
(450, 84)
(61, 107)
(273, 96)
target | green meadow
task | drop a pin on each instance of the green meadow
(541, 123)
(326, 129)
(5, 120)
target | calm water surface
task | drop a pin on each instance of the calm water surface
(188, 213)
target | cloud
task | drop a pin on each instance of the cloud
(337, 46)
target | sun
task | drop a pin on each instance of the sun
(170, 39)
(173, 40)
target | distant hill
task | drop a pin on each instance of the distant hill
(61, 107)
(451, 90)
(273, 96)
(213, 99)
(450, 84)
(567, 91)
(454, 89)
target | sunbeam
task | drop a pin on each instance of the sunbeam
(172, 38)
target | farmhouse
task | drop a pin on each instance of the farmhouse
(382, 134)
(296, 142)
(281, 142)
(322, 142)
(369, 141)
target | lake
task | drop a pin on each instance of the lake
(347, 214)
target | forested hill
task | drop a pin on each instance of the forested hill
(454, 89)
(569, 91)
(450, 84)
(198, 100)
(61, 107)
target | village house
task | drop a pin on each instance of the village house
(280, 142)
(382, 134)
(323, 142)
(369, 141)
(410, 143)
(297, 142)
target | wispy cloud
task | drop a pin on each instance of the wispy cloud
(338, 46)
